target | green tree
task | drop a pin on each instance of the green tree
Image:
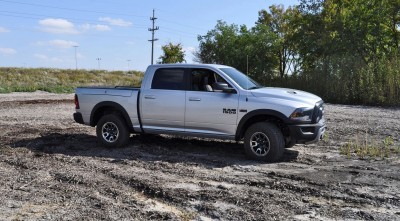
(218, 46)
(346, 51)
(172, 54)
(232, 45)
(280, 22)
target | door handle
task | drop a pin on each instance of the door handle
(149, 97)
(194, 99)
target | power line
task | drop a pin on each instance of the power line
(86, 34)
(41, 16)
(82, 10)
(69, 9)
(37, 16)
(153, 19)
(183, 25)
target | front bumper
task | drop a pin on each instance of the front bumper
(78, 118)
(307, 133)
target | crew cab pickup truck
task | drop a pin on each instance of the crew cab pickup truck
(203, 100)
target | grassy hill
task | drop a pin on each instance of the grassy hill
(62, 80)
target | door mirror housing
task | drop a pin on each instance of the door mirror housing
(221, 86)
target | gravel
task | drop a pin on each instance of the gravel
(52, 168)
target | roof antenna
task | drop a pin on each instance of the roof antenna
(247, 80)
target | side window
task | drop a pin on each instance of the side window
(204, 79)
(169, 79)
(199, 78)
(220, 79)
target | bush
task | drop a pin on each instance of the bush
(350, 81)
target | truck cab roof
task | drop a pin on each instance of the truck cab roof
(190, 65)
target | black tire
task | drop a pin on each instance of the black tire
(290, 144)
(264, 141)
(112, 131)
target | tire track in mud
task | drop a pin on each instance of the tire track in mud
(163, 177)
(203, 173)
(163, 194)
(89, 187)
(157, 192)
(144, 195)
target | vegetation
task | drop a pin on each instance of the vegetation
(172, 54)
(62, 81)
(370, 150)
(346, 51)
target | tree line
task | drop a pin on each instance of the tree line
(346, 51)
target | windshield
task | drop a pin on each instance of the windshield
(241, 79)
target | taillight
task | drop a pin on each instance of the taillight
(76, 102)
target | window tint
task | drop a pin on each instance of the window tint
(199, 79)
(220, 79)
(169, 79)
(204, 79)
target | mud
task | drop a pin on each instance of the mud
(53, 169)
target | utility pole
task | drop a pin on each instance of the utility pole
(76, 58)
(129, 61)
(98, 61)
(153, 19)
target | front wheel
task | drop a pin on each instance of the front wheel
(112, 131)
(264, 141)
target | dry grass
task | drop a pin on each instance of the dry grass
(61, 80)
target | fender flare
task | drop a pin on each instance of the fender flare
(113, 105)
(244, 122)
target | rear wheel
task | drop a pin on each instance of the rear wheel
(112, 131)
(264, 141)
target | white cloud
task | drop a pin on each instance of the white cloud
(55, 59)
(46, 58)
(102, 27)
(116, 21)
(62, 44)
(40, 56)
(57, 26)
(189, 49)
(7, 51)
(4, 30)
(96, 27)
(85, 26)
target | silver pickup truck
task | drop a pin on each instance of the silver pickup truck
(203, 100)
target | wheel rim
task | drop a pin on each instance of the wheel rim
(110, 132)
(259, 144)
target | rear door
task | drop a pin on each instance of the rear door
(163, 105)
(209, 111)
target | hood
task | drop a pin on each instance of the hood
(286, 94)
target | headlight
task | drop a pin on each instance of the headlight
(302, 114)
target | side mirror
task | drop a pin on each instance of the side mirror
(220, 86)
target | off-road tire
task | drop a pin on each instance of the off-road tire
(112, 131)
(264, 141)
(290, 144)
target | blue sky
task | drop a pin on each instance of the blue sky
(43, 33)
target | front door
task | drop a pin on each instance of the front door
(209, 111)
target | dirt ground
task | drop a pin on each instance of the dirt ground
(52, 168)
